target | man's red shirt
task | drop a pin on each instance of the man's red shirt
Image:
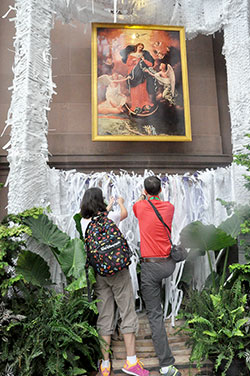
(153, 235)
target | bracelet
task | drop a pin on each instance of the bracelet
(143, 195)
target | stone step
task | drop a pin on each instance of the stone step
(147, 342)
(150, 353)
(150, 349)
(145, 331)
(172, 329)
(145, 350)
(188, 371)
(153, 363)
(147, 335)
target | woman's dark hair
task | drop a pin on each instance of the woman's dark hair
(92, 203)
(152, 185)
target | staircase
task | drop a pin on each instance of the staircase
(145, 350)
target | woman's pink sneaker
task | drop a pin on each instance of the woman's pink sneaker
(136, 369)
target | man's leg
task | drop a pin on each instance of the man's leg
(151, 279)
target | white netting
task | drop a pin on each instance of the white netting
(200, 16)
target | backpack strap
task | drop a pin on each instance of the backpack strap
(87, 266)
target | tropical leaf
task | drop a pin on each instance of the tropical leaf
(72, 258)
(231, 226)
(90, 330)
(33, 268)
(77, 218)
(45, 232)
(241, 322)
(204, 238)
(61, 329)
(216, 299)
(238, 333)
(92, 278)
(78, 284)
(79, 371)
(210, 334)
(237, 311)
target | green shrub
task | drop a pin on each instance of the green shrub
(56, 337)
(218, 324)
(43, 332)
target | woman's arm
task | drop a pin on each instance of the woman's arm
(124, 212)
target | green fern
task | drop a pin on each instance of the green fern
(217, 324)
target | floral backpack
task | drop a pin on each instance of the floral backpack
(107, 249)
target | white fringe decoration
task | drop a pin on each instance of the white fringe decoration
(237, 53)
(31, 95)
(194, 198)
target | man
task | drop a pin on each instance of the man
(156, 264)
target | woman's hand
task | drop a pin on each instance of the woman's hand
(124, 212)
(110, 204)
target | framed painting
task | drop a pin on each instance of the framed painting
(139, 83)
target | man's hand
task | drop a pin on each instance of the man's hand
(142, 196)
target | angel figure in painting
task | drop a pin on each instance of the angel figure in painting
(114, 98)
(140, 83)
(165, 78)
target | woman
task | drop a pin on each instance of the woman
(140, 83)
(115, 288)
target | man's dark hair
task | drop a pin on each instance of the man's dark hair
(152, 185)
(92, 203)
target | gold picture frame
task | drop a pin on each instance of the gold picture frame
(139, 83)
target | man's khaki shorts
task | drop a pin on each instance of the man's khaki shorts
(116, 288)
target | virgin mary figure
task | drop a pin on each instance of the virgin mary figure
(142, 86)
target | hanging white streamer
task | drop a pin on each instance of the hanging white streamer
(194, 198)
(115, 11)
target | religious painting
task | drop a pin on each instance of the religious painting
(139, 83)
